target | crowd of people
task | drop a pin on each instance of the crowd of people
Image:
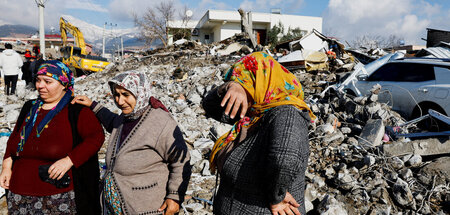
(13, 67)
(51, 166)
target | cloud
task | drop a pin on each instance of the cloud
(287, 6)
(86, 5)
(27, 13)
(348, 19)
(123, 10)
(211, 4)
(16, 12)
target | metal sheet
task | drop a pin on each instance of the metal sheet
(437, 52)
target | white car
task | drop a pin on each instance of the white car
(410, 86)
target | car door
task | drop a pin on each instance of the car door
(411, 85)
(400, 82)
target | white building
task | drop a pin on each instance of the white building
(217, 25)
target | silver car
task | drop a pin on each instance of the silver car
(410, 86)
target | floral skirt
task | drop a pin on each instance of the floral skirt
(112, 202)
(62, 203)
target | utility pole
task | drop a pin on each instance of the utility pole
(41, 6)
(104, 41)
(121, 41)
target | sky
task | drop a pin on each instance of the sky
(343, 19)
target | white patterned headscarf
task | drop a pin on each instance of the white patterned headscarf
(138, 84)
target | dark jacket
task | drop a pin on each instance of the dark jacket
(269, 162)
(27, 74)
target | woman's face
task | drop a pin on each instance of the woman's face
(49, 89)
(125, 100)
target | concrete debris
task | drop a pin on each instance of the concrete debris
(372, 132)
(418, 147)
(354, 168)
(402, 193)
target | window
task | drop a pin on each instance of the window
(442, 74)
(76, 51)
(403, 72)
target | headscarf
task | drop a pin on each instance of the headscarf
(269, 84)
(138, 84)
(60, 72)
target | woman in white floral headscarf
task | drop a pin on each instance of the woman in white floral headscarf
(147, 159)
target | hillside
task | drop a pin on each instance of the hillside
(11, 30)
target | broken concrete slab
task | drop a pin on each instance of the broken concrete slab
(372, 133)
(417, 147)
(234, 47)
(439, 167)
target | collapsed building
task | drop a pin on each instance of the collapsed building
(355, 166)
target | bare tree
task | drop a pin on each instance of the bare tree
(376, 41)
(393, 41)
(153, 23)
(185, 19)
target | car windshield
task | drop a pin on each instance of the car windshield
(374, 65)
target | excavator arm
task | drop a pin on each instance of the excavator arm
(65, 27)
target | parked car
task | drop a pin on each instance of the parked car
(410, 86)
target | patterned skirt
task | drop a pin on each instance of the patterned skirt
(112, 202)
(62, 203)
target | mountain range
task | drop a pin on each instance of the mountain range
(12, 30)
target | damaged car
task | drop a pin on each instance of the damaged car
(411, 86)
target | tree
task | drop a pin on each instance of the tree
(274, 33)
(153, 23)
(180, 33)
(292, 34)
(377, 41)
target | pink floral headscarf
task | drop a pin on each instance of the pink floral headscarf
(138, 84)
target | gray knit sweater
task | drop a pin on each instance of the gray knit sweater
(269, 162)
(152, 163)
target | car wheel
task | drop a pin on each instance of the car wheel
(430, 124)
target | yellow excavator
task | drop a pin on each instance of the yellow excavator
(75, 55)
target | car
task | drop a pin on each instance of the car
(411, 86)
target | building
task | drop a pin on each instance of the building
(435, 36)
(217, 25)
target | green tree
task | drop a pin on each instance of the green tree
(291, 34)
(272, 34)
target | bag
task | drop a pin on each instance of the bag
(61, 183)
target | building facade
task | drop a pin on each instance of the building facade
(217, 25)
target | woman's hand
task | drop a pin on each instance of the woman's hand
(83, 100)
(287, 206)
(59, 168)
(170, 207)
(5, 176)
(235, 97)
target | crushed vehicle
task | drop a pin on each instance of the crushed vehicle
(411, 86)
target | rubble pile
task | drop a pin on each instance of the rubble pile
(351, 171)
(354, 166)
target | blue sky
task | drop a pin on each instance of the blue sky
(344, 19)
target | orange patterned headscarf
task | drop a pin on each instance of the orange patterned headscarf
(269, 84)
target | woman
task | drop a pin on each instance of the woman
(263, 158)
(147, 159)
(52, 132)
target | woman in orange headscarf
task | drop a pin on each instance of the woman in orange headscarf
(263, 158)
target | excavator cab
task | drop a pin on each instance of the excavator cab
(65, 52)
